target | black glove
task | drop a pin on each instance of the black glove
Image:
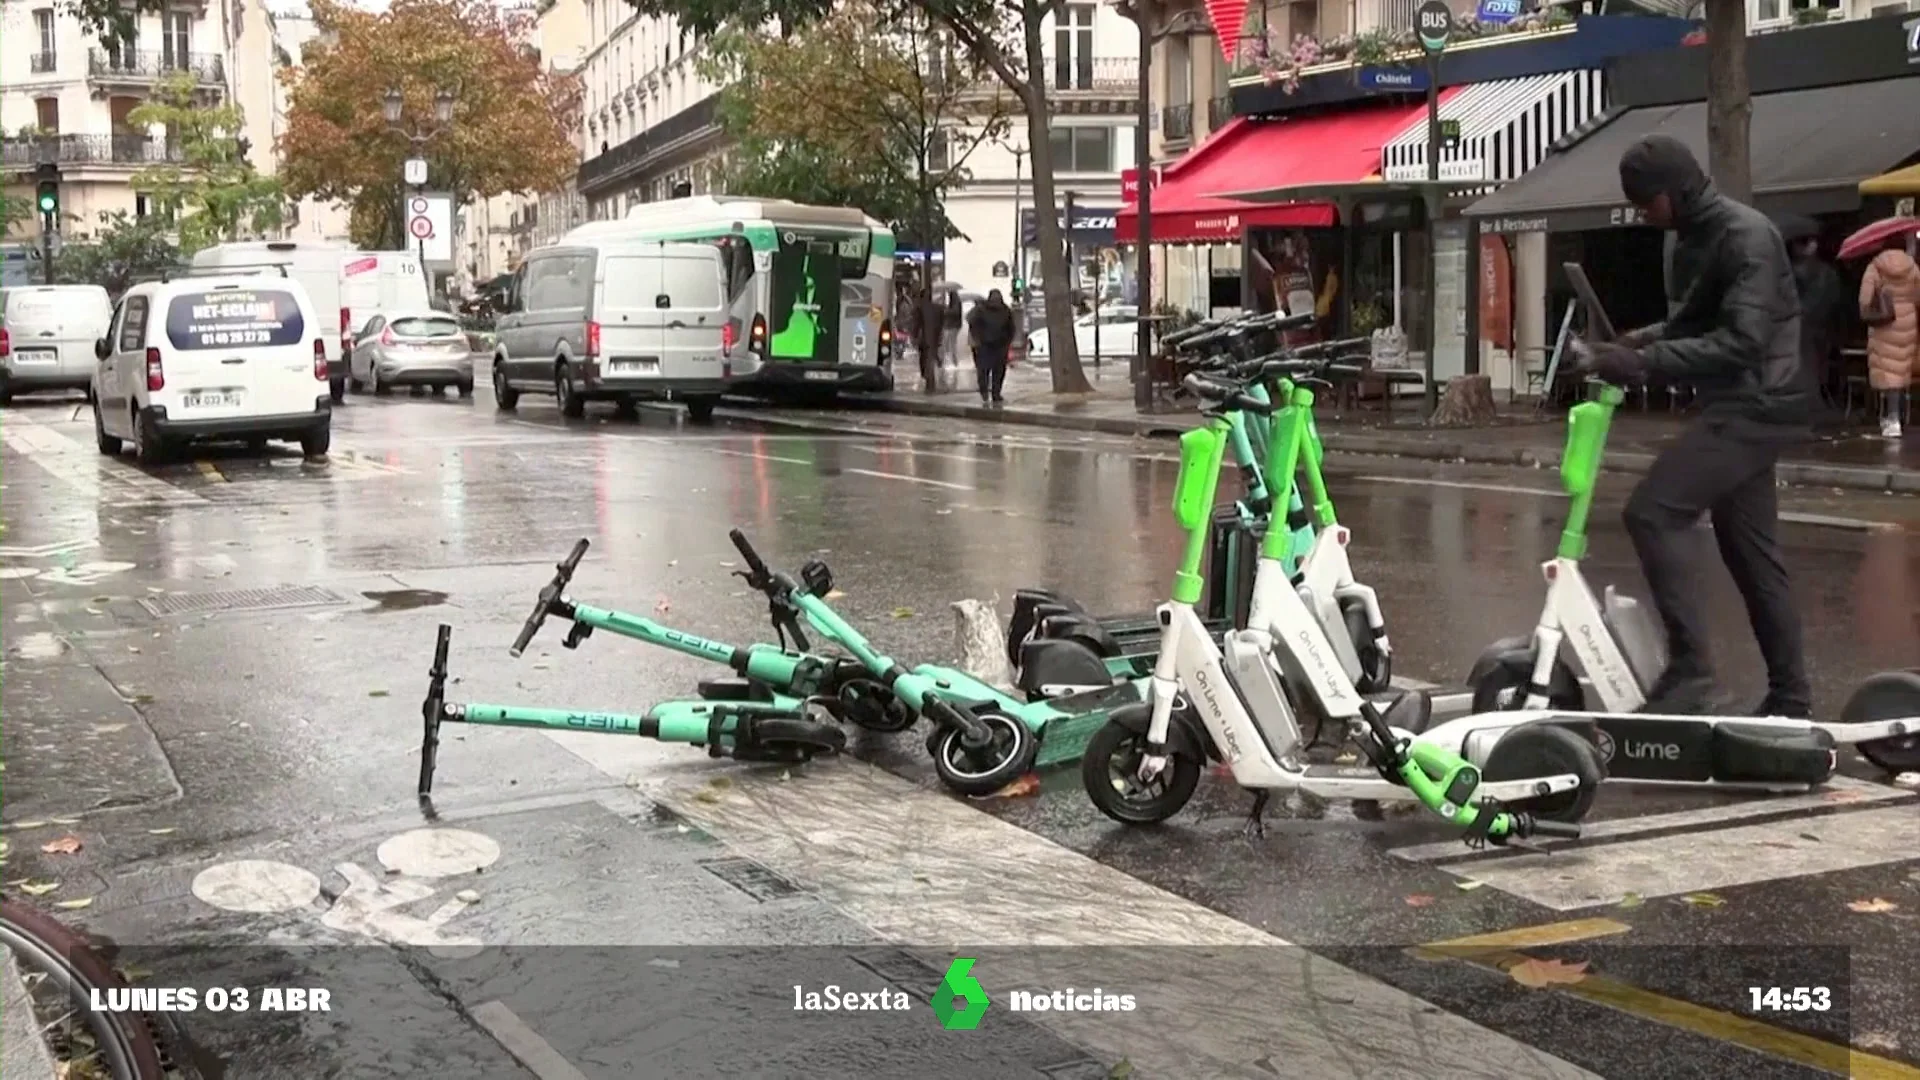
(1608, 361)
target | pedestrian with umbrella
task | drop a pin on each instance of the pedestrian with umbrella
(1890, 306)
(1822, 297)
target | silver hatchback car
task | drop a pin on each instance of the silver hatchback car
(411, 348)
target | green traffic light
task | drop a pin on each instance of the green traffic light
(48, 204)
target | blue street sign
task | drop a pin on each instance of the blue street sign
(1499, 11)
(1394, 78)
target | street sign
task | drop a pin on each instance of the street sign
(1450, 135)
(1433, 24)
(416, 171)
(421, 228)
(429, 221)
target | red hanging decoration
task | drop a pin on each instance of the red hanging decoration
(1228, 17)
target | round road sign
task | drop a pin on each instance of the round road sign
(421, 228)
(1433, 24)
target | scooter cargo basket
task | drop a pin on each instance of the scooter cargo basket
(1587, 425)
(1200, 452)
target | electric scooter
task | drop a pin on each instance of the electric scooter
(1612, 641)
(1128, 640)
(784, 731)
(1236, 705)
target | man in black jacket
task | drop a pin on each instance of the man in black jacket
(1735, 337)
(991, 326)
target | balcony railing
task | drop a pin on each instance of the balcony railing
(1069, 73)
(1176, 123)
(602, 171)
(129, 66)
(43, 63)
(132, 151)
(1219, 111)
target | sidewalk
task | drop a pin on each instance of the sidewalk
(1520, 437)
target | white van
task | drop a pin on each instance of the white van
(47, 334)
(378, 284)
(617, 319)
(316, 265)
(223, 356)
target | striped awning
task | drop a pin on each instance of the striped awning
(1506, 127)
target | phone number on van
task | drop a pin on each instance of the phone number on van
(234, 337)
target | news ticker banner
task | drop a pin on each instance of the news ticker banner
(887, 1011)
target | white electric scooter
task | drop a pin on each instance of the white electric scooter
(1234, 706)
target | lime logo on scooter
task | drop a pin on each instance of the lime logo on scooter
(1226, 733)
(1311, 648)
(961, 1001)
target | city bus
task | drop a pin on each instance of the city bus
(811, 287)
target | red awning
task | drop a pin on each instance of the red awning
(1250, 154)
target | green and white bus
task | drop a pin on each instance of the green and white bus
(810, 287)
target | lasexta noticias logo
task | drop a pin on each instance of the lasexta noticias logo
(961, 1002)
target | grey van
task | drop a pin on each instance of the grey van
(47, 334)
(619, 320)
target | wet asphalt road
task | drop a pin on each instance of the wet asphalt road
(180, 745)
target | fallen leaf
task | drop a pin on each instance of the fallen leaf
(134, 973)
(1024, 786)
(133, 648)
(706, 796)
(160, 832)
(143, 699)
(74, 905)
(1631, 900)
(1468, 886)
(1419, 900)
(29, 825)
(1839, 795)
(903, 613)
(663, 606)
(721, 782)
(1874, 1040)
(835, 594)
(103, 600)
(467, 896)
(785, 775)
(1702, 899)
(1121, 1071)
(1907, 780)
(923, 879)
(108, 729)
(1874, 906)
(1346, 759)
(376, 693)
(39, 888)
(65, 820)
(673, 562)
(5, 847)
(1536, 973)
(661, 962)
(683, 828)
(66, 845)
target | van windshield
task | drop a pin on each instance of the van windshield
(224, 318)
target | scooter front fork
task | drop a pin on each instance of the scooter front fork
(1546, 653)
(1369, 603)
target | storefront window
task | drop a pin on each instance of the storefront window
(1296, 271)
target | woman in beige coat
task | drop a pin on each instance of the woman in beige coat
(1890, 304)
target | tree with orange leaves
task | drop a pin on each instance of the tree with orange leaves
(512, 119)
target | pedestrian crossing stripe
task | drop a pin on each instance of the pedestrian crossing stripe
(86, 471)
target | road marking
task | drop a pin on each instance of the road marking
(1483, 952)
(911, 479)
(112, 482)
(256, 886)
(534, 1053)
(930, 872)
(211, 471)
(437, 853)
(1698, 862)
(1420, 481)
(759, 457)
(1757, 806)
(1831, 522)
(1533, 937)
(44, 551)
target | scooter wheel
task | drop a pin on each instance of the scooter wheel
(1008, 756)
(1376, 667)
(782, 739)
(1504, 688)
(1547, 750)
(1885, 696)
(869, 705)
(1111, 772)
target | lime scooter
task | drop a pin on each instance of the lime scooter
(1234, 705)
(1619, 649)
(1123, 644)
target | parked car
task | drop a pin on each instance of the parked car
(411, 348)
(228, 356)
(1117, 326)
(47, 334)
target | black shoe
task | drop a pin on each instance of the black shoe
(998, 400)
(1681, 695)
(1773, 706)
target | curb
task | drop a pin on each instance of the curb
(1811, 474)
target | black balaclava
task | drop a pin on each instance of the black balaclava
(1661, 165)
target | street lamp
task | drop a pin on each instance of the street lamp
(393, 107)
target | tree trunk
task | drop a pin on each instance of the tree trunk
(1068, 376)
(1729, 101)
(1467, 402)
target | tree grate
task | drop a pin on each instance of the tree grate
(276, 598)
(751, 878)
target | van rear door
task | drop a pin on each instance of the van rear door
(692, 334)
(53, 327)
(233, 350)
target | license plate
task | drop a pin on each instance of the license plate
(823, 376)
(37, 356)
(637, 366)
(209, 401)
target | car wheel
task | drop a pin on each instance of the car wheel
(700, 409)
(504, 397)
(148, 448)
(380, 389)
(315, 442)
(108, 444)
(572, 405)
(466, 388)
(337, 390)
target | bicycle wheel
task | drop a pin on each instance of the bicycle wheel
(45, 947)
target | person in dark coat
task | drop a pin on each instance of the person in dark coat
(1822, 306)
(990, 326)
(1735, 336)
(930, 316)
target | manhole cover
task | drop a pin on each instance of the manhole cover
(273, 599)
(751, 878)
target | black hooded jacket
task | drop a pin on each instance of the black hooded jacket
(1735, 332)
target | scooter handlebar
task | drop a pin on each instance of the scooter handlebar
(754, 562)
(1228, 396)
(562, 574)
(1565, 830)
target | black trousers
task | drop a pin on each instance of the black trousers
(1720, 469)
(990, 367)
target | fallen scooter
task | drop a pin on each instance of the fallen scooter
(1620, 650)
(783, 732)
(1237, 705)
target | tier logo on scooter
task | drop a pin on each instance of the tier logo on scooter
(1603, 742)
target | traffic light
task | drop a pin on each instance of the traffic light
(49, 200)
(1019, 287)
